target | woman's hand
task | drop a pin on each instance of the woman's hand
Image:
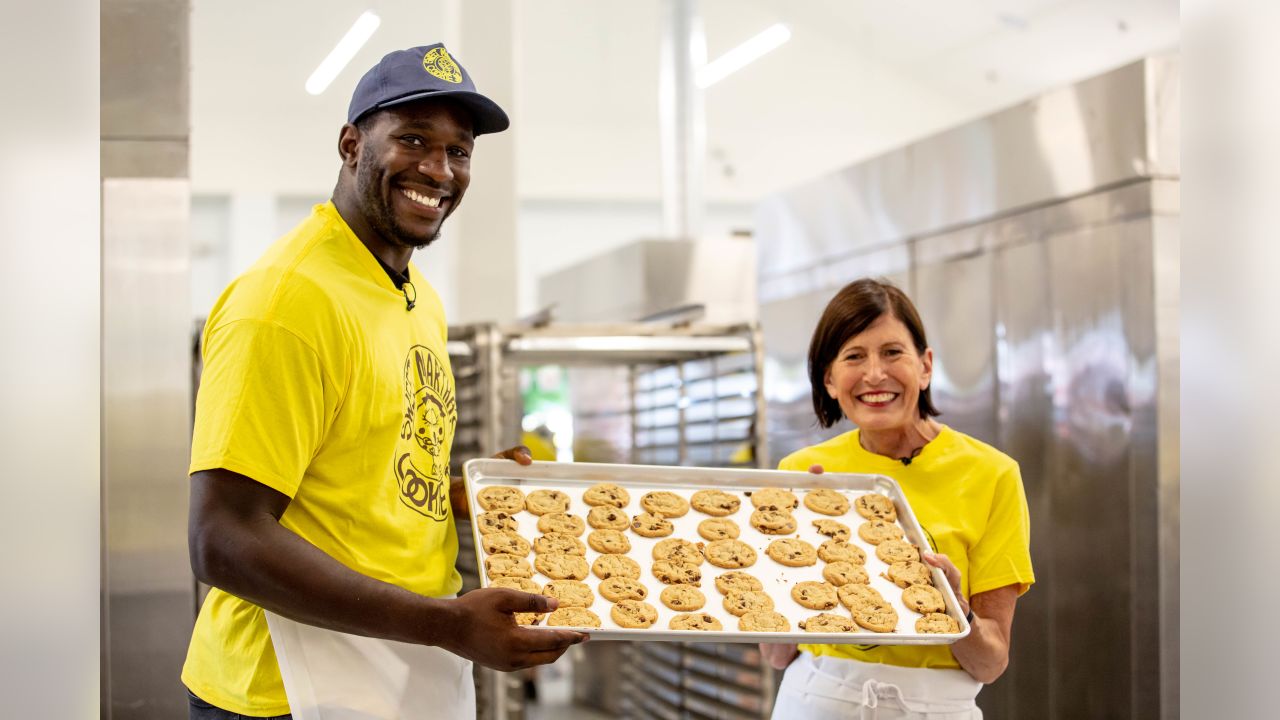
(948, 568)
(778, 655)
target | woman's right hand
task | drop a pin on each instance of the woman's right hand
(778, 655)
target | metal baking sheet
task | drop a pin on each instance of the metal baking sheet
(574, 478)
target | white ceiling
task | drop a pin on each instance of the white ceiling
(857, 78)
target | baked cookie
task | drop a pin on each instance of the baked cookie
(559, 522)
(833, 529)
(504, 565)
(814, 595)
(623, 588)
(608, 566)
(772, 498)
(880, 618)
(502, 498)
(875, 505)
(773, 522)
(827, 623)
(606, 494)
(504, 542)
(666, 504)
(742, 602)
(826, 501)
(792, 552)
(683, 598)
(909, 572)
(494, 522)
(923, 599)
(737, 582)
(559, 543)
(694, 621)
(559, 566)
(937, 623)
(677, 573)
(678, 550)
(730, 554)
(854, 595)
(609, 542)
(718, 529)
(838, 551)
(650, 525)
(541, 502)
(607, 517)
(892, 551)
(633, 614)
(574, 617)
(843, 573)
(876, 531)
(716, 503)
(570, 593)
(763, 621)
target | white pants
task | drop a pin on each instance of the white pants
(829, 688)
(331, 675)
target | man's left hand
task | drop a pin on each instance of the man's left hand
(519, 453)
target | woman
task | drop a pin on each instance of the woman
(869, 362)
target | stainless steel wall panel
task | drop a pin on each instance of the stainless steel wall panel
(148, 589)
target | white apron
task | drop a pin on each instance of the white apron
(829, 688)
(331, 675)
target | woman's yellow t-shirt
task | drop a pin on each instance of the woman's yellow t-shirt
(969, 499)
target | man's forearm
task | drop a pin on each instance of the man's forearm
(458, 499)
(272, 567)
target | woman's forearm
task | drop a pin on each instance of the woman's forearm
(984, 652)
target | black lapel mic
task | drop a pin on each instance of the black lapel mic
(410, 295)
(905, 461)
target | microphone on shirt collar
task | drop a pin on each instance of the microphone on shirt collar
(410, 295)
(905, 461)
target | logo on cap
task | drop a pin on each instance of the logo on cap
(438, 63)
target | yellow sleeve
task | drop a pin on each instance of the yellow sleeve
(1003, 555)
(264, 404)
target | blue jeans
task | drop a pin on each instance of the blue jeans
(201, 710)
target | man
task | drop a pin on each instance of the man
(320, 486)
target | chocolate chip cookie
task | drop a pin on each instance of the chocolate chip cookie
(559, 566)
(558, 543)
(650, 525)
(609, 542)
(833, 529)
(854, 595)
(773, 522)
(826, 501)
(678, 550)
(763, 621)
(909, 572)
(730, 554)
(892, 551)
(937, 623)
(876, 618)
(683, 598)
(633, 614)
(677, 573)
(716, 503)
(606, 494)
(875, 505)
(814, 595)
(792, 552)
(607, 517)
(504, 565)
(573, 617)
(718, 529)
(607, 566)
(562, 523)
(501, 497)
(827, 623)
(622, 588)
(570, 593)
(923, 599)
(838, 551)
(742, 602)
(876, 531)
(737, 582)
(666, 504)
(541, 502)
(772, 498)
(694, 621)
(493, 522)
(504, 543)
(843, 573)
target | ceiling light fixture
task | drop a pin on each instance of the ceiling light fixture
(743, 55)
(341, 54)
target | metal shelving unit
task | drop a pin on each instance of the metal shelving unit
(646, 394)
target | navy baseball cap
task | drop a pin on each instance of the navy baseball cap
(422, 72)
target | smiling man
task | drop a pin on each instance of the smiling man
(321, 505)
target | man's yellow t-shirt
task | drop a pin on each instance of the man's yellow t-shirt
(319, 383)
(969, 499)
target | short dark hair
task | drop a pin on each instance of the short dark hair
(854, 309)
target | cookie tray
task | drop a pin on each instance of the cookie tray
(574, 478)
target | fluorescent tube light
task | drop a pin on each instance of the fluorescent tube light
(743, 55)
(341, 54)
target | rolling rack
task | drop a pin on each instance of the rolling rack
(642, 393)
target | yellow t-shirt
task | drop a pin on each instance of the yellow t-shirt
(320, 384)
(969, 499)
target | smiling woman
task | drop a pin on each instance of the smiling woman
(870, 362)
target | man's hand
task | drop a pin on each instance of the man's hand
(519, 453)
(484, 630)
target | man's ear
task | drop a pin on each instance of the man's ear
(349, 145)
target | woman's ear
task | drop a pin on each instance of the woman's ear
(927, 360)
(830, 386)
